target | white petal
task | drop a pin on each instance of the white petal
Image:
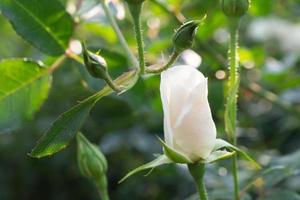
(188, 124)
(165, 96)
(174, 93)
(198, 95)
(195, 133)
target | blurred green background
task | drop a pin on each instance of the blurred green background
(125, 126)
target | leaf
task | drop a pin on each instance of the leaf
(279, 169)
(218, 155)
(161, 160)
(220, 144)
(290, 160)
(174, 155)
(68, 124)
(273, 175)
(282, 194)
(267, 178)
(43, 23)
(65, 127)
(24, 85)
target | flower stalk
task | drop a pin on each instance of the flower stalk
(102, 188)
(231, 106)
(135, 10)
(197, 171)
(233, 83)
(182, 40)
(234, 10)
(170, 62)
(119, 34)
(233, 52)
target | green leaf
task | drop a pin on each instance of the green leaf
(24, 85)
(65, 127)
(174, 155)
(218, 155)
(43, 23)
(160, 160)
(274, 175)
(279, 169)
(268, 177)
(290, 160)
(220, 144)
(68, 124)
(281, 194)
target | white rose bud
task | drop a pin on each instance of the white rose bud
(188, 125)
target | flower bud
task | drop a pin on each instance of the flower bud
(95, 64)
(188, 124)
(184, 36)
(235, 8)
(134, 1)
(92, 163)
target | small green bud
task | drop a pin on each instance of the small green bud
(134, 1)
(235, 8)
(95, 64)
(92, 163)
(135, 8)
(184, 36)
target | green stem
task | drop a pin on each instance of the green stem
(171, 61)
(235, 177)
(233, 81)
(57, 63)
(102, 188)
(119, 34)
(198, 171)
(233, 52)
(135, 10)
(111, 84)
(75, 57)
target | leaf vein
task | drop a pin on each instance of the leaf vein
(46, 28)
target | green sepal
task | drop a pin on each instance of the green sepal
(235, 8)
(97, 67)
(184, 36)
(174, 155)
(135, 8)
(134, 2)
(160, 160)
(91, 161)
(94, 63)
(218, 155)
(221, 144)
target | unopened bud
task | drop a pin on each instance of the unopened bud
(134, 1)
(235, 8)
(95, 64)
(184, 36)
(92, 163)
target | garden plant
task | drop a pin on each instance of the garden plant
(200, 96)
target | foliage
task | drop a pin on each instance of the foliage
(125, 125)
